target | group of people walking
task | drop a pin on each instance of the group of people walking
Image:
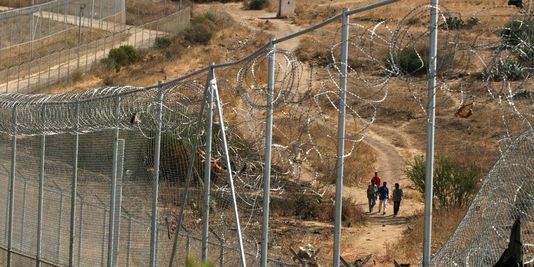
(376, 190)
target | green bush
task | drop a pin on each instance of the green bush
(408, 61)
(505, 70)
(454, 184)
(457, 23)
(201, 29)
(414, 61)
(518, 32)
(162, 42)
(256, 4)
(122, 56)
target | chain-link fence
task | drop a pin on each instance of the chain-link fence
(56, 41)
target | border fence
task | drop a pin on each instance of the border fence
(130, 176)
(52, 42)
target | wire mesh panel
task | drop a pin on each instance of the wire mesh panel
(54, 41)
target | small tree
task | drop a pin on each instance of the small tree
(454, 184)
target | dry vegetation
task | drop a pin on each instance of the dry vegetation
(409, 248)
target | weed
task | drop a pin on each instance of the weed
(162, 42)
(201, 29)
(518, 32)
(190, 262)
(504, 70)
(413, 61)
(457, 23)
(408, 61)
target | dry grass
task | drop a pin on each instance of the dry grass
(181, 56)
(26, 52)
(21, 3)
(410, 247)
(139, 12)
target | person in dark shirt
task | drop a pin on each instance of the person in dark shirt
(383, 195)
(397, 197)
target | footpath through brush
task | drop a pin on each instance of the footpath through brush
(380, 230)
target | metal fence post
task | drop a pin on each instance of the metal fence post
(129, 241)
(82, 7)
(41, 196)
(221, 252)
(23, 214)
(60, 220)
(230, 176)
(74, 189)
(103, 241)
(113, 204)
(341, 137)
(267, 167)
(155, 182)
(429, 173)
(207, 167)
(188, 244)
(80, 229)
(12, 187)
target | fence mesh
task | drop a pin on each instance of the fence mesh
(56, 41)
(118, 129)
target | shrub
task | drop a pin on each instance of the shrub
(457, 23)
(505, 70)
(454, 184)
(256, 4)
(201, 29)
(414, 61)
(122, 56)
(162, 42)
(518, 32)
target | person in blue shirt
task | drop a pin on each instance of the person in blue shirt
(383, 195)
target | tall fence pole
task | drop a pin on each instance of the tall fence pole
(267, 168)
(74, 188)
(22, 223)
(155, 182)
(41, 195)
(80, 229)
(341, 137)
(82, 7)
(429, 170)
(113, 204)
(230, 176)
(207, 166)
(129, 241)
(12, 188)
(60, 222)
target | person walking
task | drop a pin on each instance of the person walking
(376, 180)
(397, 197)
(371, 195)
(383, 193)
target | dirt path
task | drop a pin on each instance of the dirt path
(383, 229)
(380, 230)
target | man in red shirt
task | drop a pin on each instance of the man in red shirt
(376, 180)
